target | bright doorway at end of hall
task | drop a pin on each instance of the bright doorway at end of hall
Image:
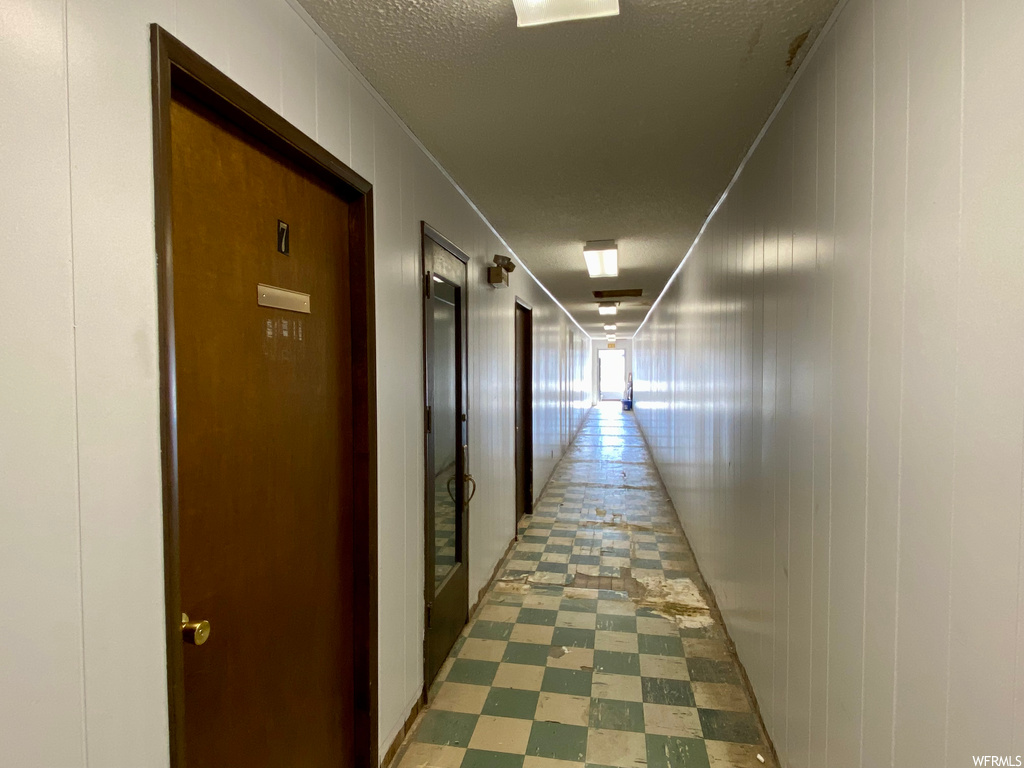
(611, 373)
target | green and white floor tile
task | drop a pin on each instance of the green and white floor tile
(566, 664)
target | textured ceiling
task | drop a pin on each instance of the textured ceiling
(627, 128)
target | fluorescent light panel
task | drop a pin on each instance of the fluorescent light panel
(608, 310)
(610, 327)
(602, 257)
(530, 13)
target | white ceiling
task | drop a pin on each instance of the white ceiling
(626, 128)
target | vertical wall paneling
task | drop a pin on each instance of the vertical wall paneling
(854, 493)
(82, 537)
(42, 724)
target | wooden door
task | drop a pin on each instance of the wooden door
(524, 410)
(264, 437)
(448, 484)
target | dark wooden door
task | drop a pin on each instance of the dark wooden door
(447, 451)
(524, 411)
(264, 435)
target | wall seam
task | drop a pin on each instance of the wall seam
(867, 413)
(831, 368)
(899, 450)
(956, 380)
(74, 337)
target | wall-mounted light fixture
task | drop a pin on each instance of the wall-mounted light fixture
(608, 307)
(498, 274)
(530, 13)
(602, 257)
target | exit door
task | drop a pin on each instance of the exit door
(448, 484)
(612, 373)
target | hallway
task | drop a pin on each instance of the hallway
(594, 646)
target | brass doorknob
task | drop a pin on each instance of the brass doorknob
(195, 632)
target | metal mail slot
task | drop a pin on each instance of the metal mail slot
(282, 298)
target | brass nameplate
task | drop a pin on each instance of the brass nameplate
(282, 298)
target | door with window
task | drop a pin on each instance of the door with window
(448, 485)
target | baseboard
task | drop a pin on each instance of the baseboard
(494, 575)
(396, 743)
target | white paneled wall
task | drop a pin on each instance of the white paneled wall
(82, 659)
(833, 387)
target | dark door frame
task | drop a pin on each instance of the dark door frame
(462, 367)
(526, 311)
(177, 69)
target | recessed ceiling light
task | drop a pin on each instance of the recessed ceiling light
(610, 327)
(530, 13)
(602, 258)
(610, 337)
(608, 307)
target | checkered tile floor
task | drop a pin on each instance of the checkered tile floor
(572, 661)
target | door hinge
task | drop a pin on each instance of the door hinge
(430, 611)
(429, 418)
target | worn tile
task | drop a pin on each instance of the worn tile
(720, 696)
(740, 727)
(423, 755)
(625, 642)
(482, 650)
(706, 649)
(537, 616)
(501, 734)
(617, 663)
(611, 714)
(502, 614)
(672, 667)
(476, 758)
(669, 720)
(621, 749)
(522, 676)
(675, 752)
(574, 682)
(531, 633)
(532, 761)
(710, 671)
(459, 697)
(563, 708)
(511, 702)
(572, 637)
(491, 630)
(723, 754)
(525, 653)
(558, 741)
(621, 687)
(660, 645)
(564, 657)
(472, 671)
(660, 690)
(448, 728)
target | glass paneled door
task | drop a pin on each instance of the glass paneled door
(448, 485)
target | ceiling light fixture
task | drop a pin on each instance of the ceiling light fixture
(610, 337)
(530, 13)
(610, 327)
(602, 258)
(608, 307)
